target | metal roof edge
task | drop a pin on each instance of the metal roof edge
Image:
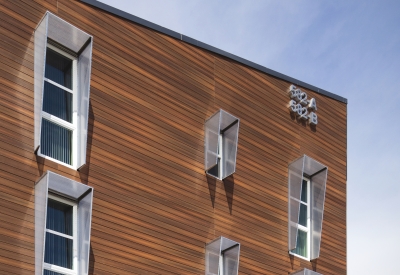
(210, 48)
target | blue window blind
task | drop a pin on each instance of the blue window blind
(48, 272)
(56, 142)
(59, 249)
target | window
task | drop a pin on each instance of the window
(305, 271)
(221, 139)
(59, 121)
(222, 257)
(63, 212)
(60, 253)
(62, 82)
(307, 184)
(303, 230)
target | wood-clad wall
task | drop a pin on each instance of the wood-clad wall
(154, 209)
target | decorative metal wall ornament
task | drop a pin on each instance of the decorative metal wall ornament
(302, 107)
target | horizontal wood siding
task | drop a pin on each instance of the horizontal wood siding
(154, 209)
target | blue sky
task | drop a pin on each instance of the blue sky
(350, 48)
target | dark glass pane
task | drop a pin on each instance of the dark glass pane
(304, 191)
(48, 272)
(59, 217)
(58, 68)
(58, 251)
(214, 171)
(57, 102)
(301, 247)
(303, 215)
(56, 142)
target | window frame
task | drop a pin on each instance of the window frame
(60, 122)
(74, 238)
(307, 228)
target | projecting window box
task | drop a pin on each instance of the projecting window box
(63, 214)
(220, 144)
(222, 257)
(62, 71)
(306, 198)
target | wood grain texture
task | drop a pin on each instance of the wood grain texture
(154, 209)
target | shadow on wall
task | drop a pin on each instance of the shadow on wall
(229, 186)
(212, 185)
(303, 122)
(314, 264)
(91, 261)
(84, 171)
(291, 257)
(40, 164)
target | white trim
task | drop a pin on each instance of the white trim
(58, 121)
(221, 264)
(58, 269)
(296, 199)
(308, 217)
(299, 256)
(59, 234)
(55, 160)
(75, 107)
(58, 85)
(220, 154)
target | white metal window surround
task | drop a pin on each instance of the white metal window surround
(56, 35)
(305, 271)
(53, 189)
(222, 257)
(220, 144)
(308, 173)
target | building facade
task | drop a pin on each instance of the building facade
(127, 148)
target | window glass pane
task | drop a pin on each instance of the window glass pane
(304, 191)
(56, 142)
(57, 102)
(301, 247)
(59, 217)
(58, 251)
(303, 215)
(58, 68)
(48, 272)
(214, 171)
